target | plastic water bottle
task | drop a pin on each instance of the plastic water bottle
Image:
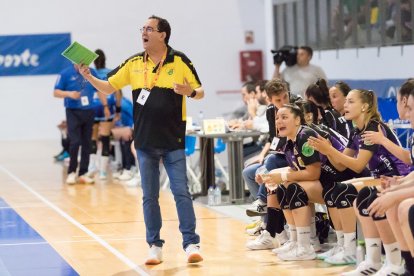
(200, 118)
(217, 195)
(360, 252)
(210, 196)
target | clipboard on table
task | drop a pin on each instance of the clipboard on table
(79, 54)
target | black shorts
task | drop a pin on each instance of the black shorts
(411, 219)
(328, 179)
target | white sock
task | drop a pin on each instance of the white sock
(313, 227)
(393, 253)
(104, 164)
(340, 237)
(292, 231)
(350, 243)
(373, 248)
(304, 235)
(92, 161)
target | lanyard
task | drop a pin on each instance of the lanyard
(157, 74)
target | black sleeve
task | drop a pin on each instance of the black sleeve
(305, 151)
(372, 126)
(270, 116)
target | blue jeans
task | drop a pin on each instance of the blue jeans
(175, 165)
(271, 162)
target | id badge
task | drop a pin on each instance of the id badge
(143, 97)
(84, 100)
(275, 142)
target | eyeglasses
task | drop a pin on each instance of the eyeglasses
(148, 30)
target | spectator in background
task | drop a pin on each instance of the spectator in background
(107, 110)
(123, 132)
(348, 24)
(78, 98)
(391, 20)
(302, 74)
(247, 92)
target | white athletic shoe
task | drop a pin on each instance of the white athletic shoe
(287, 246)
(316, 244)
(282, 238)
(84, 179)
(262, 242)
(116, 175)
(257, 208)
(333, 251)
(257, 230)
(341, 258)
(71, 178)
(298, 253)
(364, 268)
(193, 253)
(133, 182)
(154, 256)
(388, 269)
(125, 176)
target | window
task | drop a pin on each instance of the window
(333, 24)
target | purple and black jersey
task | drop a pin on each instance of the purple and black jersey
(332, 119)
(382, 162)
(298, 153)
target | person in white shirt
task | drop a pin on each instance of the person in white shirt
(302, 74)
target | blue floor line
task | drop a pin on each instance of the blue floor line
(24, 252)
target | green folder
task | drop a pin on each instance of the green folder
(79, 54)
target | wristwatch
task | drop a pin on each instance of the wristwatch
(193, 94)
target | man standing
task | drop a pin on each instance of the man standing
(161, 79)
(302, 74)
(78, 100)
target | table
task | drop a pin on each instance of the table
(234, 142)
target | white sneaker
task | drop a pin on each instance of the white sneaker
(341, 258)
(254, 224)
(387, 269)
(116, 175)
(125, 176)
(287, 246)
(193, 253)
(256, 231)
(298, 253)
(364, 268)
(258, 208)
(262, 242)
(154, 256)
(282, 238)
(133, 182)
(316, 244)
(84, 179)
(71, 178)
(333, 251)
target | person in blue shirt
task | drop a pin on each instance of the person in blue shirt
(123, 132)
(78, 98)
(107, 110)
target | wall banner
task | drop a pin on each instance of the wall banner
(33, 54)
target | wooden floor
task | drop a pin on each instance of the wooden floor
(99, 229)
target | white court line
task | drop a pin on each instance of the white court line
(118, 254)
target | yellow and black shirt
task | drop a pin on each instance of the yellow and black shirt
(160, 122)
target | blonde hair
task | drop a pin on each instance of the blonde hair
(368, 97)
